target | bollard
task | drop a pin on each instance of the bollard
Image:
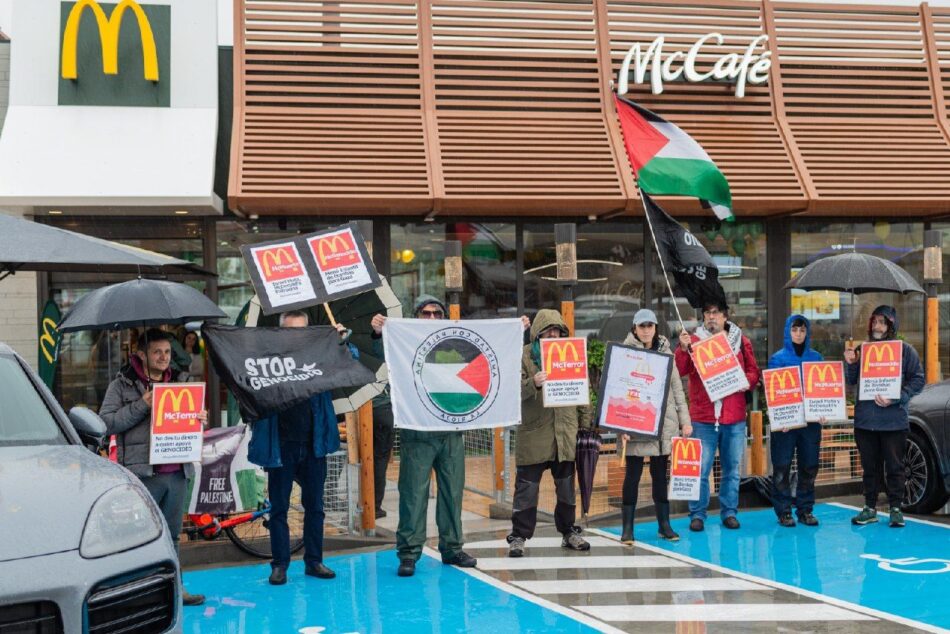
(367, 481)
(758, 446)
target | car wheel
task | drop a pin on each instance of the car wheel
(922, 490)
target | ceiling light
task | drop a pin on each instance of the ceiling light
(55, 212)
(181, 212)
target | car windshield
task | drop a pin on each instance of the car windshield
(24, 418)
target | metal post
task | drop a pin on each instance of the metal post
(565, 239)
(933, 277)
(453, 277)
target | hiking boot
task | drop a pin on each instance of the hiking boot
(866, 516)
(665, 531)
(697, 525)
(731, 522)
(785, 519)
(278, 576)
(461, 559)
(808, 519)
(574, 541)
(628, 513)
(897, 518)
(515, 546)
(407, 568)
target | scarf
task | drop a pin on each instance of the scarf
(734, 336)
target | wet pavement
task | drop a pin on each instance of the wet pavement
(761, 578)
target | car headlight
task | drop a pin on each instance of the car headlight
(121, 519)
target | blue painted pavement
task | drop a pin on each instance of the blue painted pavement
(366, 596)
(900, 571)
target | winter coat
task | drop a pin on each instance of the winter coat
(545, 434)
(701, 409)
(677, 411)
(264, 447)
(787, 357)
(128, 417)
(867, 414)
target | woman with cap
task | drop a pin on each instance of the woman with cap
(643, 335)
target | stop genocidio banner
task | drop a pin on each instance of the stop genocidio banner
(175, 428)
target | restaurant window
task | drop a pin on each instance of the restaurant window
(417, 265)
(609, 287)
(835, 316)
(944, 297)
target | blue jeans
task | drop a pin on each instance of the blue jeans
(730, 439)
(298, 462)
(783, 445)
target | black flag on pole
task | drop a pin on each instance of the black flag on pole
(271, 369)
(693, 269)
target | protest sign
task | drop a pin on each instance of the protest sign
(880, 370)
(225, 480)
(718, 367)
(280, 276)
(686, 458)
(633, 389)
(783, 395)
(565, 362)
(342, 261)
(175, 428)
(824, 391)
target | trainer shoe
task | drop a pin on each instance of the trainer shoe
(461, 559)
(574, 541)
(515, 546)
(866, 516)
(897, 518)
(785, 519)
(697, 525)
(808, 519)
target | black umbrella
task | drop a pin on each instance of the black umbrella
(586, 456)
(855, 273)
(138, 303)
(356, 313)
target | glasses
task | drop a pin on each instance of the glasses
(712, 312)
(431, 314)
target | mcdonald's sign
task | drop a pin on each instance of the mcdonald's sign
(99, 58)
(48, 342)
(176, 408)
(713, 356)
(823, 379)
(564, 359)
(881, 359)
(278, 263)
(335, 250)
(782, 386)
(686, 457)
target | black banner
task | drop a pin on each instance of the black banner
(271, 369)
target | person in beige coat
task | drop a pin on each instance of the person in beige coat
(644, 335)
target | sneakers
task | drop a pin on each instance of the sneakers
(461, 559)
(866, 516)
(407, 568)
(808, 519)
(697, 525)
(731, 522)
(515, 546)
(897, 518)
(574, 541)
(785, 519)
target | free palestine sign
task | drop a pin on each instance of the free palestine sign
(750, 67)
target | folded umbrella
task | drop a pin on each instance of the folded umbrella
(586, 456)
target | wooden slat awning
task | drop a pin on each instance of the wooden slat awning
(504, 107)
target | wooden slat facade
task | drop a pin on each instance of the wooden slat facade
(504, 107)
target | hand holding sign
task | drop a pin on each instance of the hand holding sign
(718, 367)
(881, 363)
(178, 418)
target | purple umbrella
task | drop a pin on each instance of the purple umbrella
(587, 454)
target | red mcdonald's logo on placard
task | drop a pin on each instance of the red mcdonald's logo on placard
(176, 397)
(880, 359)
(335, 250)
(783, 379)
(686, 457)
(823, 380)
(278, 263)
(563, 368)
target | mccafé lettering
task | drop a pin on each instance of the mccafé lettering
(750, 67)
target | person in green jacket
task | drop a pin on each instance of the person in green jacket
(420, 453)
(547, 439)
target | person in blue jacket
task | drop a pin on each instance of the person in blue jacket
(294, 444)
(806, 440)
(880, 425)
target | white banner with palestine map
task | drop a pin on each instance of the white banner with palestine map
(454, 375)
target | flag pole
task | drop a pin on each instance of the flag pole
(660, 256)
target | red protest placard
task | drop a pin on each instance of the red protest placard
(880, 370)
(685, 468)
(718, 367)
(824, 391)
(176, 432)
(784, 397)
(565, 363)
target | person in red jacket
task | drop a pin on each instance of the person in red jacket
(718, 424)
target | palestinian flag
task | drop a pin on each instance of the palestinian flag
(668, 162)
(456, 376)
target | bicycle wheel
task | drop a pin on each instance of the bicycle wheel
(254, 537)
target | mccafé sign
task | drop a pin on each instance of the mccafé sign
(751, 67)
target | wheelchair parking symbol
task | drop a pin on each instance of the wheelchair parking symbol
(911, 565)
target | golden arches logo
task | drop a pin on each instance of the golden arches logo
(879, 352)
(686, 450)
(333, 244)
(109, 28)
(709, 349)
(820, 373)
(562, 349)
(177, 397)
(779, 380)
(272, 258)
(48, 339)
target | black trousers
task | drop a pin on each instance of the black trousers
(383, 436)
(882, 454)
(524, 512)
(631, 479)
